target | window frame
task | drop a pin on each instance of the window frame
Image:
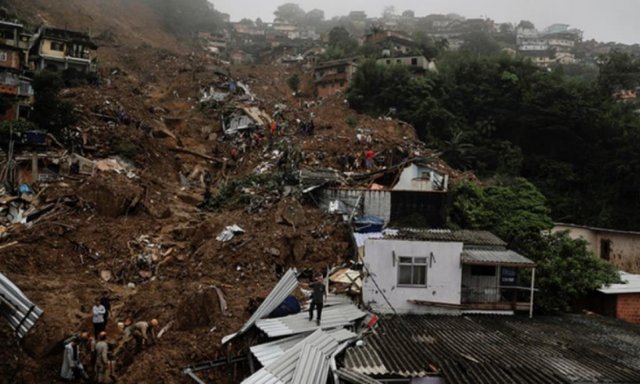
(57, 46)
(4, 56)
(412, 265)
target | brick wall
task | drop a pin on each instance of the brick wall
(628, 307)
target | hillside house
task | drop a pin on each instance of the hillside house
(334, 76)
(14, 44)
(444, 272)
(60, 49)
(621, 301)
(620, 248)
(399, 43)
(417, 64)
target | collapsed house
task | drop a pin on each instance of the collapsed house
(245, 119)
(415, 189)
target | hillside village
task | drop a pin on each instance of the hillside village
(179, 191)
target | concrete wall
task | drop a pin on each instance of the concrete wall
(443, 276)
(628, 307)
(411, 179)
(625, 247)
(45, 49)
(12, 59)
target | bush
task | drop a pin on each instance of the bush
(16, 126)
(351, 121)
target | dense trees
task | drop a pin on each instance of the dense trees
(498, 115)
(515, 210)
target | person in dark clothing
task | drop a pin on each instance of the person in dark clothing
(106, 303)
(317, 298)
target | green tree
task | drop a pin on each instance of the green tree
(566, 271)
(515, 210)
(618, 70)
(50, 113)
(294, 82)
(339, 38)
(290, 12)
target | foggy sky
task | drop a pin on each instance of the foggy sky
(603, 20)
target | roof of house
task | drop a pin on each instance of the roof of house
(337, 63)
(498, 349)
(596, 229)
(332, 317)
(306, 362)
(269, 352)
(631, 284)
(470, 238)
(16, 308)
(505, 258)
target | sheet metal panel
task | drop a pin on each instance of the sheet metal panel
(354, 377)
(492, 349)
(332, 317)
(16, 308)
(306, 360)
(284, 288)
(268, 352)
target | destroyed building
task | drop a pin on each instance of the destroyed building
(332, 77)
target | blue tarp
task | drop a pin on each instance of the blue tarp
(289, 306)
(368, 224)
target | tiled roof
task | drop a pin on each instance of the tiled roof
(495, 257)
(468, 237)
(496, 350)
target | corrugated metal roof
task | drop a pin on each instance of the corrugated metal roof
(285, 286)
(354, 377)
(332, 317)
(306, 362)
(631, 284)
(21, 313)
(495, 257)
(468, 237)
(497, 350)
(268, 352)
(332, 300)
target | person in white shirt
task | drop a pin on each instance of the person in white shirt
(98, 312)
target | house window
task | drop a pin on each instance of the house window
(3, 56)
(388, 62)
(399, 61)
(483, 270)
(605, 249)
(412, 271)
(414, 61)
(342, 69)
(57, 46)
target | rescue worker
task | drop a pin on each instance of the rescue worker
(72, 368)
(102, 358)
(317, 298)
(143, 332)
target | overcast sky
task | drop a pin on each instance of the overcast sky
(604, 20)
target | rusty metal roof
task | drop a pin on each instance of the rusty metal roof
(496, 350)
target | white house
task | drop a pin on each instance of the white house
(443, 272)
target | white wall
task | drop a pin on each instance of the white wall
(443, 276)
(411, 179)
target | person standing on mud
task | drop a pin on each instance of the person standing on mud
(106, 303)
(102, 358)
(317, 298)
(98, 318)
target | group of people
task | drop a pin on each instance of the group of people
(97, 346)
